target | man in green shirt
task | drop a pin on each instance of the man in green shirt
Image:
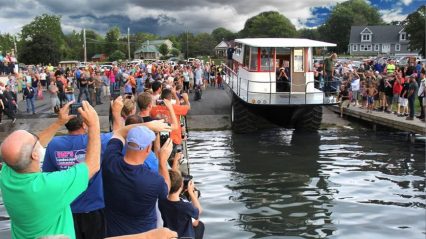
(39, 203)
(329, 73)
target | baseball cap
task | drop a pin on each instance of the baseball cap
(140, 137)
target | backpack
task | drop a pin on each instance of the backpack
(197, 95)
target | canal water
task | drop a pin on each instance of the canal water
(338, 183)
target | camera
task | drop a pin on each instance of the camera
(163, 138)
(74, 108)
(160, 102)
(186, 179)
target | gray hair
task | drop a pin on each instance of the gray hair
(24, 159)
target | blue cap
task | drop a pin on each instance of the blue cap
(140, 137)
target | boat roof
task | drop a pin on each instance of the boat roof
(283, 42)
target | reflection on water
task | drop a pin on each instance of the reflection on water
(334, 184)
(339, 183)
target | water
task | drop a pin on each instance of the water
(339, 183)
(335, 184)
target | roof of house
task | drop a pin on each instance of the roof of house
(98, 55)
(155, 42)
(283, 42)
(147, 48)
(222, 44)
(381, 33)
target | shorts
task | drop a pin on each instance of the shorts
(345, 103)
(370, 100)
(403, 101)
(395, 99)
(355, 95)
(389, 99)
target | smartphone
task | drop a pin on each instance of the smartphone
(163, 137)
(73, 108)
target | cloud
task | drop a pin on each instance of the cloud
(390, 15)
(164, 17)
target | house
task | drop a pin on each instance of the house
(220, 49)
(149, 49)
(379, 40)
(99, 58)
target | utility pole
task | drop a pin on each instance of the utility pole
(128, 41)
(187, 42)
(85, 47)
(16, 49)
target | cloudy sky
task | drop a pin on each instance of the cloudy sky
(174, 16)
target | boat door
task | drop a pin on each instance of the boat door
(298, 70)
(282, 62)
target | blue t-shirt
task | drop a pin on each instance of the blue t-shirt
(64, 152)
(177, 216)
(131, 192)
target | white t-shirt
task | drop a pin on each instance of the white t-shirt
(43, 76)
(355, 85)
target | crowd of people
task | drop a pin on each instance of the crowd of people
(375, 86)
(88, 184)
(96, 84)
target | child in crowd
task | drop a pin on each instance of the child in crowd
(371, 92)
(343, 98)
(219, 81)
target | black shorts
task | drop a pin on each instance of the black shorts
(90, 225)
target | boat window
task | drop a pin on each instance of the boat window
(253, 59)
(298, 60)
(266, 59)
(246, 56)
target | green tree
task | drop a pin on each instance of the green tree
(41, 49)
(163, 49)
(95, 43)
(186, 41)
(268, 24)
(175, 52)
(117, 55)
(45, 25)
(415, 28)
(337, 27)
(6, 43)
(204, 44)
(312, 34)
(112, 38)
(221, 33)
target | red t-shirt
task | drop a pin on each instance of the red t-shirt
(161, 112)
(397, 88)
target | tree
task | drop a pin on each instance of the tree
(175, 52)
(6, 43)
(337, 27)
(221, 33)
(268, 24)
(45, 25)
(415, 28)
(163, 49)
(41, 49)
(117, 55)
(112, 38)
(312, 34)
(203, 44)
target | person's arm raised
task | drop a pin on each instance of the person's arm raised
(165, 152)
(155, 125)
(169, 106)
(46, 135)
(116, 107)
(93, 151)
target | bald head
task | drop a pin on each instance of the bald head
(17, 149)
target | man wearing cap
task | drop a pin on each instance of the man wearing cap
(412, 93)
(65, 151)
(131, 189)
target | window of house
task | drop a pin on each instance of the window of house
(403, 36)
(366, 37)
(376, 47)
(355, 47)
(397, 47)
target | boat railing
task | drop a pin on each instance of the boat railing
(315, 92)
